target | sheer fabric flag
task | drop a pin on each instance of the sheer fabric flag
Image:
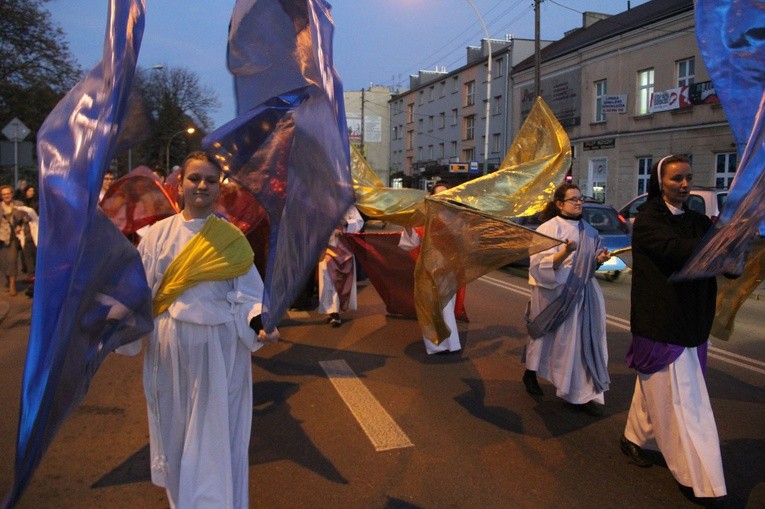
(468, 231)
(90, 289)
(404, 207)
(289, 142)
(734, 57)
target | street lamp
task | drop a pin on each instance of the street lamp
(189, 130)
(157, 67)
(488, 92)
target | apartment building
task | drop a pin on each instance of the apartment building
(438, 126)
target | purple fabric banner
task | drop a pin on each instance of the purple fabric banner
(289, 143)
(90, 289)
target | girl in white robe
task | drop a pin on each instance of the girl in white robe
(560, 354)
(330, 301)
(197, 367)
(410, 240)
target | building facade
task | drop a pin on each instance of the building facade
(629, 90)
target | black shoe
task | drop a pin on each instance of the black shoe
(530, 381)
(334, 320)
(591, 408)
(634, 453)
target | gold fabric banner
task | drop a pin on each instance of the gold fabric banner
(468, 231)
(403, 206)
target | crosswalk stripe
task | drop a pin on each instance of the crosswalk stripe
(376, 422)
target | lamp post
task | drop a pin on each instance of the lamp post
(157, 67)
(189, 130)
(488, 92)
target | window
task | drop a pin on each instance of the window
(499, 68)
(431, 93)
(469, 128)
(430, 123)
(643, 174)
(421, 97)
(441, 120)
(395, 132)
(409, 140)
(419, 153)
(644, 91)
(455, 116)
(419, 126)
(455, 85)
(430, 152)
(600, 90)
(497, 105)
(497, 143)
(453, 151)
(686, 72)
(485, 73)
(443, 88)
(441, 150)
(468, 154)
(410, 112)
(725, 169)
(470, 93)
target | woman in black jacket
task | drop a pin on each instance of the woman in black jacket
(670, 323)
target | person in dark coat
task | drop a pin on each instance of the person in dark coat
(670, 323)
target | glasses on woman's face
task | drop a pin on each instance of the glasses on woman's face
(576, 199)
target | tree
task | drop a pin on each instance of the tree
(171, 99)
(36, 67)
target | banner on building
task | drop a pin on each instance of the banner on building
(563, 93)
(703, 93)
(354, 126)
(615, 103)
(372, 129)
(458, 167)
(672, 99)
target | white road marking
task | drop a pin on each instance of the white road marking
(376, 422)
(716, 353)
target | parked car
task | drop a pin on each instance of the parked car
(613, 229)
(706, 200)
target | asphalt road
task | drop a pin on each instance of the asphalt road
(360, 417)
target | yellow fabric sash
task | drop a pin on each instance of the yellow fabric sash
(218, 251)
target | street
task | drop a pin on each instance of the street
(360, 417)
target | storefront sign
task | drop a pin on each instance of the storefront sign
(600, 144)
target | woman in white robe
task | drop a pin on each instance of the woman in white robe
(411, 240)
(197, 368)
(560, 355)
(331, 302)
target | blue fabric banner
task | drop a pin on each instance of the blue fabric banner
(289, 143)
(728, 32)
(90, 289)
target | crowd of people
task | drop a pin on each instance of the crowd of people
(207, 304)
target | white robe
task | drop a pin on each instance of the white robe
(408, 242)
(557, 356)
(198, 378)
(329, 300)
(671, 412)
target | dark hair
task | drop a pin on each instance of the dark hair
(654, 189)
(199, 155)
(551, 209)
(438, 184)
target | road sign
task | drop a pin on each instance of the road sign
(16, 131)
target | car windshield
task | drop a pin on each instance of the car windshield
(603, 219)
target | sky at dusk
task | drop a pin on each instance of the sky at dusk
(378, 42)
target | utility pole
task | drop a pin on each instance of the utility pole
(537, 50)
